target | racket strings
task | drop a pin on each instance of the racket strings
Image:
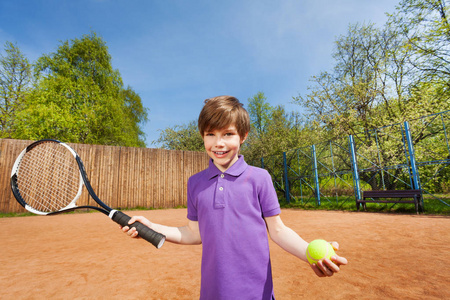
(48, 177)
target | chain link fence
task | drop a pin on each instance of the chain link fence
(411, 155)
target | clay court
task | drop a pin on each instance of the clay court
(86, 256)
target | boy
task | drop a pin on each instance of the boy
(231, 205)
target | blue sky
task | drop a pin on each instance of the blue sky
(176, 53)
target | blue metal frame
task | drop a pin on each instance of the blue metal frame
(316, 174)
(286, 179)
(364, 155)
(412, 158)
(356, 183)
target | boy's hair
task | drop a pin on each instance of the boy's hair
(222, 111)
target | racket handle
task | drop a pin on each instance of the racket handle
(155, 238)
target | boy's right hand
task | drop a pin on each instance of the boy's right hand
(327, 267)
(133, 232)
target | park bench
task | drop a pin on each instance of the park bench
(390, 196)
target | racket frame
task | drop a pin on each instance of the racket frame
(71, 206)
(117, 216)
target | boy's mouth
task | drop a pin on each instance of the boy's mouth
(220, 152)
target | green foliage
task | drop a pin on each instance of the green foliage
(78, 97)
(343, 203)
(182, 137)
(135, 115)
(382, 76)
(367, 86)
(273, 130)
(426, 31)
(15, 78)
(260, 112)
(386, 76)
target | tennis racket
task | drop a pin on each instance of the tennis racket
(48, 177)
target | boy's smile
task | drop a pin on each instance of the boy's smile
(220, 153)
(223, 145)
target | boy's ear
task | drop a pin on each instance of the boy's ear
(244, 138)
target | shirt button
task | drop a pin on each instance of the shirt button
(221, 189)
(222, 175)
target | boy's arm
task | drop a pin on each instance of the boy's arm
(187, 235)
(290, 241)
(286, 238)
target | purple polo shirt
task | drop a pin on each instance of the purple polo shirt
(229, 208)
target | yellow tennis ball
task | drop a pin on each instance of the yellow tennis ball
(319, 249)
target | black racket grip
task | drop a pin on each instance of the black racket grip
(155, 238)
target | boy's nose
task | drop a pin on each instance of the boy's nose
(220, 142)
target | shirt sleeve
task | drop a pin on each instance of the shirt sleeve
(191, 203)
(268, 198)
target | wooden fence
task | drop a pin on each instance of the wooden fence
(122, 177)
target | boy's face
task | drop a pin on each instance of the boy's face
(223, 145)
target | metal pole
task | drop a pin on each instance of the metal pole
(334, 173)
(445, 133)
(316, 174)
(286, 180)
(356, 183)
(412, 157)
(408, 163)
(300, 175)
(380, 163)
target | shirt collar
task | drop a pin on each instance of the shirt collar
(235, 170)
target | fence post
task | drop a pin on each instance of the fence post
(316, 173)
(334, 172)
(412, 157)
(445, 133)
(356, 183)
(286, 179)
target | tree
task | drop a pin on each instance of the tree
(15, 79)
(259, 110)
(426, 29)
(136, 113)
(80, 98)
(273, 130)
(182, 137)
(368, 86)
(260, 113)
(372, 85)
(285, 131)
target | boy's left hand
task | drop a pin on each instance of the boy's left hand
(327, 267)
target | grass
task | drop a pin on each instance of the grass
(80, 211)
(22, 214)
(432, 205)
(344, 203)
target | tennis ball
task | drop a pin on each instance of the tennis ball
(319, 249)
